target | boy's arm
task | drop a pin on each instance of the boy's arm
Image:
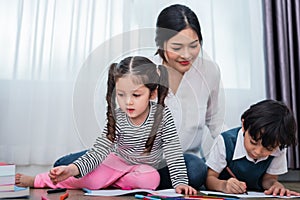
(269, 180)
(213, 182)
(232, 185)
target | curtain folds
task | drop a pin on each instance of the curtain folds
(46, 104)
(282, 54)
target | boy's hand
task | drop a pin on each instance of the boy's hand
(278, 189)
(235, 186)
(185, 189)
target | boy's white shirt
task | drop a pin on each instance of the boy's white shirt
(217, 156)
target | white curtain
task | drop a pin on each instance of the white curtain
(46, 46)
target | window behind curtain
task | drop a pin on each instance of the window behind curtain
(44, 44)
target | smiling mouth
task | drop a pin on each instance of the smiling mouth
(184, 62)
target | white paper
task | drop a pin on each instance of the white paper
(118, 192)
(249, 195)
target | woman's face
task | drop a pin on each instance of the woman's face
(182, 50)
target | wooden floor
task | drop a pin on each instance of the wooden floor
(36, 194)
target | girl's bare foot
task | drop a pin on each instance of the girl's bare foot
(23, 180)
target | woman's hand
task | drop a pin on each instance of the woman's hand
(60, 173)
(185, 189)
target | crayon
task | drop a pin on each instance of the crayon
(44, 198)
(139, 196)
(64, 196)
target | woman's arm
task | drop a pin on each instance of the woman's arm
(216, 103)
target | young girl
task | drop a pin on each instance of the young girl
(196, 98)
(131, 146)
(252, 156)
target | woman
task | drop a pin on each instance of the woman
(194, 95)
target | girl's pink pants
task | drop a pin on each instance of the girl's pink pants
(113, 171)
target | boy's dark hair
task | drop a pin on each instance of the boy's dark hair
(172, 20)
(143, 71)
(272, 122)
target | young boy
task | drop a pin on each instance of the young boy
(252, 156)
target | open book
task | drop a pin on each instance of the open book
(118, 192)
(249, 195)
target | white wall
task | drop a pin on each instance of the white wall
(37, 81)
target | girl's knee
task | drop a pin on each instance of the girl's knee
(156, 179)
(146, 177)
(149, 180)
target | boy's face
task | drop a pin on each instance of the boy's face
(255, 149)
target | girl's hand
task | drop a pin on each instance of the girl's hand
(185, 189)
(60, 173)
(278, 189)
(235, 186)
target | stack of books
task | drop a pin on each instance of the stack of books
(7, 177)
(7, 182)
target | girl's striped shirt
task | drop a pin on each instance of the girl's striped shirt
(130, 142)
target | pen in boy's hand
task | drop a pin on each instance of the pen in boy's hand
(232, 174)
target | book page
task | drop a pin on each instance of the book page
(249, 195)
(118, 192)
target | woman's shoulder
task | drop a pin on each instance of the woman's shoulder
(204, 69)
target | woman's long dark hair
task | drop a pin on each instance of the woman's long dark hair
(172, 20)
(144, 72)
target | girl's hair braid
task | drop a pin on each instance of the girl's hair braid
(162, 92)
(111, 103)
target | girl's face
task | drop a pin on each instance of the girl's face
(182, 50)
(255, 149)
(133, 99)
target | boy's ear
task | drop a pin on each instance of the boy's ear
(153, 94)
